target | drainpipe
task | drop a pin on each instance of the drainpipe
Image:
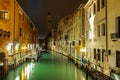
(107, 65)
(106, 30)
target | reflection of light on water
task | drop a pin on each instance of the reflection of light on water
(83, 78)
(27, 71)
(32, 65)
(17, 78)
(23, 75)
(75, 73)
(116, 77)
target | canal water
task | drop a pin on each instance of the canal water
(51, 66)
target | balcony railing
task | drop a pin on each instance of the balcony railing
(115, 36)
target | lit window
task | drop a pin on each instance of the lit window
(3, 15)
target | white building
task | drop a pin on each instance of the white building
(113, 24)
(102, 29)
(95, 31)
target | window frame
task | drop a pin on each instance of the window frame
(103, 29)
(98, 5)
(102, 3)
(6, 17)
(98, 31)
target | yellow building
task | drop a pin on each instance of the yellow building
(4, 24)
(60, 38)
(78, 32)
(70, 37)
(17, 32)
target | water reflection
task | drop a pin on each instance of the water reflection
(17, 78)
(50, 67)
(27, 71)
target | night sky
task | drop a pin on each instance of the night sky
(38, 10)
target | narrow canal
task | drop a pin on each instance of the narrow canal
(51, 66)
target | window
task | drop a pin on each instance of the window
(3, 15)
(103, 29)
(73, 43)
(118, 59)
(54, 43)
(109, 52)
(94, 8)
(98, 5)
(98, 31)
(66, 37)
(94, 53)
(99, 54)
(89, 12)
(79, 42)
(1, 32)
(20, 33)
(103, 55)
(118, 24)
(103, 3)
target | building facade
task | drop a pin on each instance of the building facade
(91, 35)
(113, 24)
(78, 30)
(18, 35)
(70, 34)
(102, 35)
(95, 34)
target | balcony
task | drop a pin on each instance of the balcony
(115, 36)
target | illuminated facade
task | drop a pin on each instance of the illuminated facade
(113, 21)
(70, 34)
(95, 33)
(78, 31)
(60, 38)
(21, 34)
(64, 35)
(102, 35)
